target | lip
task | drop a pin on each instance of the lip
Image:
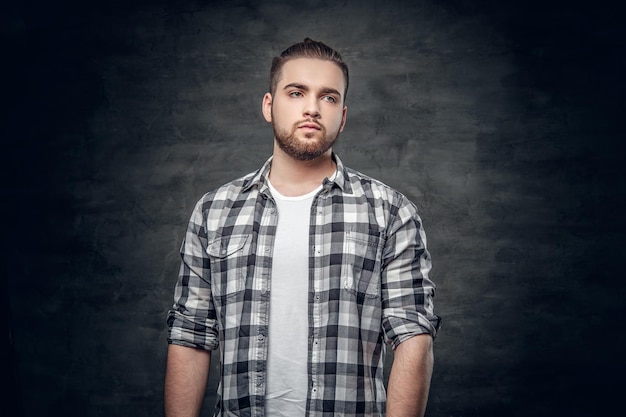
(308, 125)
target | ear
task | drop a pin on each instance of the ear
(343, 118)
(266, 107)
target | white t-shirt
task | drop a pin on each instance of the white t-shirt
(287, 377)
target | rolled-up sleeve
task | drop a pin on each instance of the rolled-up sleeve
(407, 291)
(192, 319)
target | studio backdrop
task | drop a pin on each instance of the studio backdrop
(498, 119)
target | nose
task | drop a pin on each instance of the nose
(312, 108)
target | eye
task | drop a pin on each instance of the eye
(329, 99)
(295, 94)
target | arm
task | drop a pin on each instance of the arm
(192, 325)
(185, 380)
(409, 321)
(409, 380)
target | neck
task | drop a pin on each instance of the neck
(294, 178)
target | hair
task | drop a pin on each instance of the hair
(307, 49)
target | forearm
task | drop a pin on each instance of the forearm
(186, 377)
(409, 380)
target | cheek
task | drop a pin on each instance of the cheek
(282, 113)
(337, 121)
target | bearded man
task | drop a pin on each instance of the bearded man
(303, 273)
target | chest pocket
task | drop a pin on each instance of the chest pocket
(229, 263)
(360, 270)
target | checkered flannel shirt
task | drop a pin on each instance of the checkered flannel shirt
(368, 288)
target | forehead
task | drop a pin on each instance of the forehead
(312, 73)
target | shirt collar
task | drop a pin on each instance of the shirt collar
(341, 180)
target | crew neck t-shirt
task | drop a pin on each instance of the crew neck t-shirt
(287, 377)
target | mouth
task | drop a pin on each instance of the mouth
(310, 126)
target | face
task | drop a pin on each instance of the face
(307, 111)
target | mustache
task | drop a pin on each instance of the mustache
(312, 122)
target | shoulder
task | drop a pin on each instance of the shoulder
(226, 194)
(374, 189)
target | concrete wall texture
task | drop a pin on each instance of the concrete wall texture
(499, 119)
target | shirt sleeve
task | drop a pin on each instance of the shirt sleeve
(407, 291)
(192, 319)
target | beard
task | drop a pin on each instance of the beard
(307, 148)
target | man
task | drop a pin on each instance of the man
(302, 272)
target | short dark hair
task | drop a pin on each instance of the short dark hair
(307, 49)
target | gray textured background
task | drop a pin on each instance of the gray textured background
(501, 121)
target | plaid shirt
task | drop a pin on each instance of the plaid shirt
(368, 288)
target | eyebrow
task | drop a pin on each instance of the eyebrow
(325, 90)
